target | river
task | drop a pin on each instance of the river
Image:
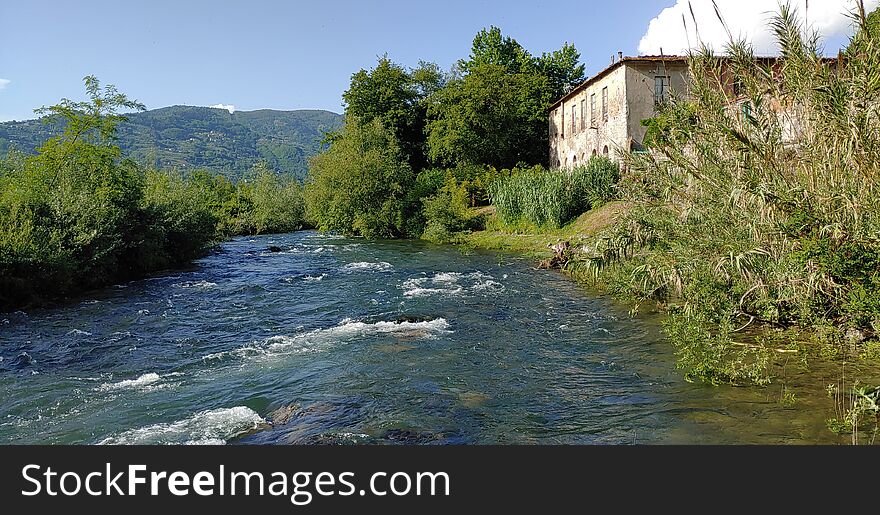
(335, 340)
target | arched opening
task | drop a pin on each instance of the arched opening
(605, 151)
(594, 153)
(574, 161)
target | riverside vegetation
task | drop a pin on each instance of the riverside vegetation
(77, 216)
(756, 240)
(755, 228)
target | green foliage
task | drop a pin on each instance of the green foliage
(761, 215)
(191, 138)
(858, 412)
(71, 215)
(495, 112)
(487, 116)
(447, 213)
(395, 96)
(711, 356)
(550, 198)
(277, 203)
(360, 185)
(490, 116)
(594, 183)
(75, 216)
(670, 126)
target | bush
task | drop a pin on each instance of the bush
(275, 203)
(551, 198)
(360, 185)
(594, 183)
(447, 213)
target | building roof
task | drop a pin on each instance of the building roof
(617, 64)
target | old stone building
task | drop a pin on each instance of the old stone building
(604, 113)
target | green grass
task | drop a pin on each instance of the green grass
(533, 241)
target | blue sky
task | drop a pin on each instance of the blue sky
(273, 54)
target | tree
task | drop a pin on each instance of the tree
(491, 47)
(359, 185)
(563, 70)
(395, 96)
(277, 201)
(490, 117)
(495, 112)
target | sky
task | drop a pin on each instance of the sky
(275, 54)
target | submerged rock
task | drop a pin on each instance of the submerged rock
(23, 360)
(274, 248)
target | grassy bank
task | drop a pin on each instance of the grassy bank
(535, 241)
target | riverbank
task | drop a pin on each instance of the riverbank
(534, 242)
(799, 364)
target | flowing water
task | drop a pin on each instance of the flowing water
(334, 340)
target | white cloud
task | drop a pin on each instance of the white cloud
(4, 83)
(746, 19)
(228, 107)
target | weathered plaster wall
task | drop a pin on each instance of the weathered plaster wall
(569, 147)
(640, 81)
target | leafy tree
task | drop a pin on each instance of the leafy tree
(495, 113)
(395, 96)
(563, 70)
(277, 201)
(359, 185)
(490, 116)
(491, 47)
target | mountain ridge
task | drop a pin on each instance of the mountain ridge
(196, 137)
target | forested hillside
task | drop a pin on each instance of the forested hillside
(187, 137)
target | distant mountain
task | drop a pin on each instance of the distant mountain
(187, 137)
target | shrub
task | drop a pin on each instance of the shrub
(447, 213)
(359, 185)
(551, 198)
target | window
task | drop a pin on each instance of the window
(661, 89)
(593, 110)
(583, 113)
(563, 122)
(604, 104)
(574, 116)
(605, 151)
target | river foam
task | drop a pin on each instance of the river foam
(347, 330)
(211, 427)
(451, 284)
(197, 285)
(366, 266)
(146, 382)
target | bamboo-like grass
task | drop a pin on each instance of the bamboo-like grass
(551, 198)
(759, 206)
